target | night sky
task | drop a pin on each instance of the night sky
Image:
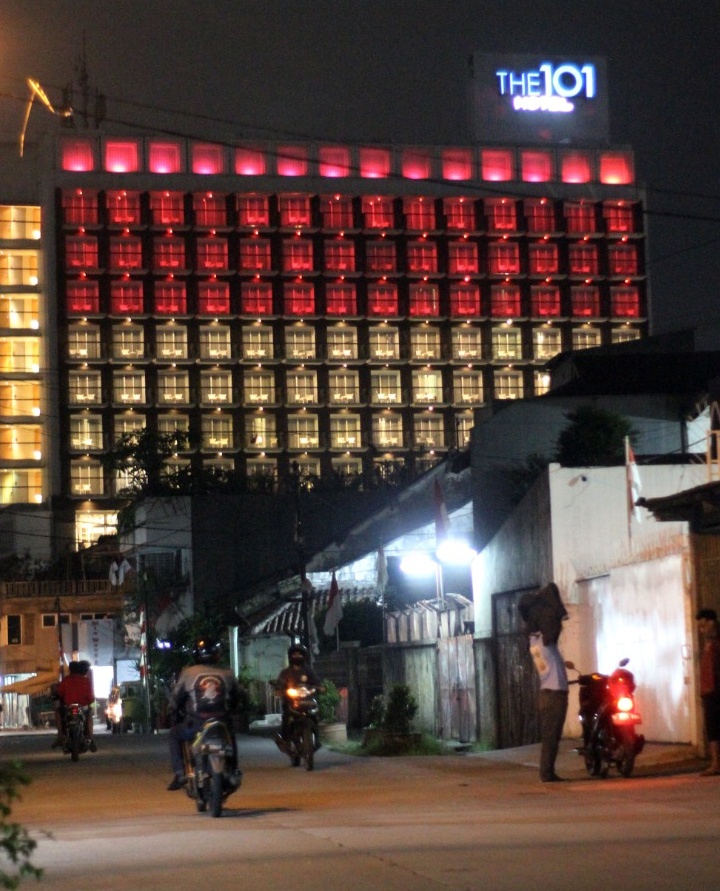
(397, 71)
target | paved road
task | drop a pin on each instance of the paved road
(452, 823)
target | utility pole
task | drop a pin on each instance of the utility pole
(301, 557)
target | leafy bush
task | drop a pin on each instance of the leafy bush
(328, 702)
(400, 710)
(16, 845)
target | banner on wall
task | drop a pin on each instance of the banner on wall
(95, 641)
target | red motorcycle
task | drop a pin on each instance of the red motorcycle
(608, 717)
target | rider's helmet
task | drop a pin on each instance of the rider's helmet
(83, 666)
(76, 668)
(298, 655)
(206, 650)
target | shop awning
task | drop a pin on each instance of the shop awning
(38, 683)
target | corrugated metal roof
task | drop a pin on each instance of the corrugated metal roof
(287, 618)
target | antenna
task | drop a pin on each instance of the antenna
(36, 91)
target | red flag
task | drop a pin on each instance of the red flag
(442, 520)
(334, 613)
(143, 646)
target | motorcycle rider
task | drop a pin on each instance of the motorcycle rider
(203, 690)
(298, 671)
(77, 687)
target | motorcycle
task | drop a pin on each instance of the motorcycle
(76, 743)
(301, 743)
(209, 775)
(608, 718)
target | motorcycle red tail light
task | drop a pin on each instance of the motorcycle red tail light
(625, 704)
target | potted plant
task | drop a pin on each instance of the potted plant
(331, 730)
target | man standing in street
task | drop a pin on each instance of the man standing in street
(707, 623)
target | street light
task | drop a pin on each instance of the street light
(424, 564)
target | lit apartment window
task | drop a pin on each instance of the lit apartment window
(346, 468)
(127, 423)
(82, 297)
(173, 423)
(429, 431)
(340, 255)
(167, 208)
(295, 210)
(503, 258)
(384, 343)
(165, 157)
(467, 387)
(539, 215)
(345, 431)
(292, 160)
(255, 255)
(508, 383)
(624, 335)
(380, 256)
(387, 430)
(416, 163)
(19, 354)
(79, 207)
(214, 298)
(210, 210)
(585, 300)
(259, 387)
(543, 257)
(302, 387)
(466, 343)
(123, 208)
(462, 257)
(342, 343)
(303, 431)
(619, 217)
(260, 431)
(20, 442)
(382, 299)
(622, 259)
(122, 155)
(84, 388)
(125, 253)
(505, 301)
(506, 343)
(424, 299)
(576, 166)
(126, 297)
(541, 383)
(497, 165)
(545, 300)
(422, 256)
(427, 385)
(419, 213)
(583, 259)
(625, 301)
(86, 478)
(20, 398)
(334, 160)
(343, 387)
(21, 486)
(580, 217)
(215, 387)
(464, 299)
(425, 343)
(299, 298)
(173, 387)
(337, 212)
(262, 474)
(385, 387)
(299, 343)
(463, 430)
(83, 342)
(129, 387)
(19, 311)
(547, 342)
(297, 255)
(212, 254)
(170, 298)
(340, 299)
(374, 163)
(89, 526)
(86, 431)
(253, 210)
(257, 342)
(81, 253)
(214, 342)
(171, 342)
(169, 253)
(378, 213)
(457, 163)
(585, 338)
(217, 431)
(256, 298)
(501, 214)
(128, 342)
(459, 214)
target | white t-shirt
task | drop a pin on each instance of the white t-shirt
(549, 664)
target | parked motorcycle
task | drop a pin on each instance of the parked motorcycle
(608, 717)
(208, 767)
(74, 718)
(301, 742)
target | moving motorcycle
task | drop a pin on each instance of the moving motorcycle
(302, 718)
(608, 717)
(74, 718)
(208, 767)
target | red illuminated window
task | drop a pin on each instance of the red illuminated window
(256, 298)
(170, 298)
(422, 256)
(536, 166)
(462, 257)
(505, 301)
(545, 300)
(382, 299)
(167, 208)
(616, 168)
(457, 163)
(81, 252)
(210, 210)
(292, 160)
(585, 300)
(459, 213)
(337, 212)
(380, 256)
(207, 158)
(122, 155)
(501, 214)
(378, 213)
(374, 163)
(543, 257)
(622, 259)
(165, 157)
(503, 258)
(77, 155)
(80, 206)
(212, 254)
(464, 299)
(126, 252)
(419, 213)
(580, 217)
(255, 254)
(126, 297)
(334, 160)
(214, 298)
(424, 299)
(539, 215)
(340, 299)
(416, 163)
(497, 165)
(619, 217)
(340, 255)
(576, 167)
(123, 208)
(299, 298)
(295, 210)
(82, 297)
(169, 253)
(249, 162)
(253, 210)
(625, 301)
(583, 259)
(297, 255)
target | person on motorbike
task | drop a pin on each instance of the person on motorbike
(205, 690)
(77, 687)
(298, 671)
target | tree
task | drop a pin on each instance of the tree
(595, 437)
(143, 456)
(16, 845)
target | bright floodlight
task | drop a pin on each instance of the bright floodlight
(455, 552)
(418, 564)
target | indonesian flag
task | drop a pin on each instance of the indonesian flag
(633, 481)
(442, 520)
(334, 613)
(382, 573)
(143, 646)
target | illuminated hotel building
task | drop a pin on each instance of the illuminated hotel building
(345, 307)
